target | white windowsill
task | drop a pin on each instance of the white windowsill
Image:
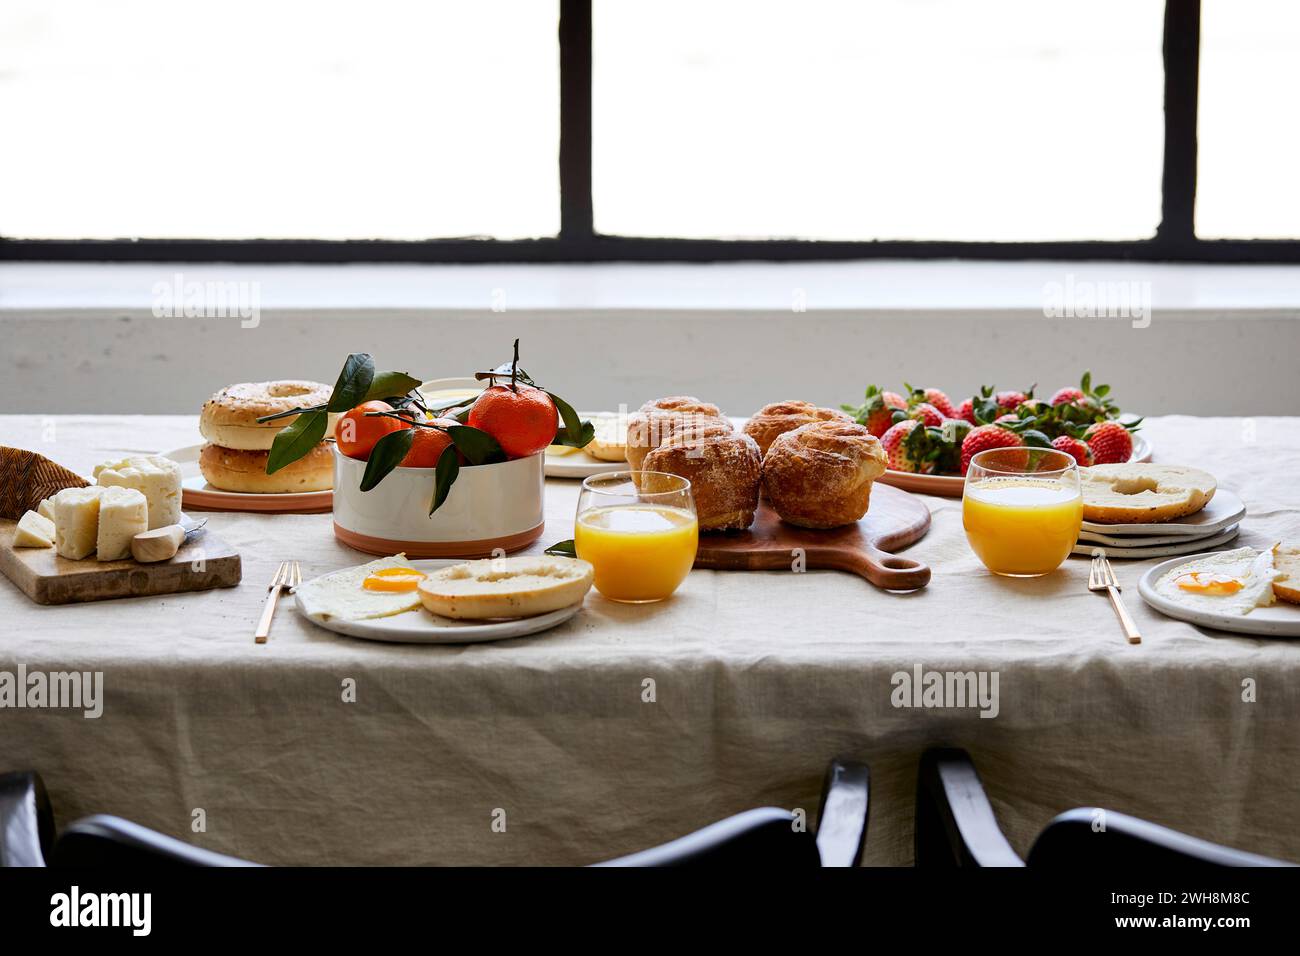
(33, 289)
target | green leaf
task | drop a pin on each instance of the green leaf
(444, 476)
(575, 433)
(1085, 386)
(566, 549)
(1102, 391)
(385, 456)
(353, 383)
(1036, 439)
(478, 447)
(295, 440)
(389, 385)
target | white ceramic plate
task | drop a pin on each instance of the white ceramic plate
(1108, 541)
(1188, 546)
(450, 386)
(1224, 509)
(197, 493)
(579, 464)
(421, 627)
(1280, 620)
(950, 486)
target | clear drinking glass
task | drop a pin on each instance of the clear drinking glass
(641, 541)
(1022, 509)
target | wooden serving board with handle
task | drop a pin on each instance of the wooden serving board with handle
(895, 520)
(202, 562)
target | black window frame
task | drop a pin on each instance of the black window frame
(1175, 239)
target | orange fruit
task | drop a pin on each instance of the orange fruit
(357, 434)
(523, 422)
(428, 445)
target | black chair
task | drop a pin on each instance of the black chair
(956, 827)
(766, 836)
(26, 820)
(104, 841)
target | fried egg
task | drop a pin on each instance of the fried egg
(379, 589)
(1230, 582)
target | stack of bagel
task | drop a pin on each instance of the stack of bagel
(814, 465)
(238, 445)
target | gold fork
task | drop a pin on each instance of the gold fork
(1102, 578)
(287, 577)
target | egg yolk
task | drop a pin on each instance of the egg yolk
(393, 579)
(1206, 582)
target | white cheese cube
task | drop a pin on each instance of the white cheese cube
(123, 513)
(46, 508)
(76, 521)
(156, 477)
(34, 531)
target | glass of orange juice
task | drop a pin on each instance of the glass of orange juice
(1022, 509)
(641, 541)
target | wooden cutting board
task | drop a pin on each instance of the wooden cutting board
(895, 520)
(203, 562)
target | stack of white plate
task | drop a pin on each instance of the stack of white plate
(1213, 526)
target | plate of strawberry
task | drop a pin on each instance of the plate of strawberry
(930, 440)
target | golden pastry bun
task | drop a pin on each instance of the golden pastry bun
(724, 472)
(820, 475)
(506, 587)
(658, 421)
(781, 417)
(1139, 492)
(682, 405)
(238, 469)
(229, 418)
(1287, 560)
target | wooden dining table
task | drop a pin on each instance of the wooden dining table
(631, 725)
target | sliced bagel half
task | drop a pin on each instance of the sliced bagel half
(1140, 492)
(506, 587)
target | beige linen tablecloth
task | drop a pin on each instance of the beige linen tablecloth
(759, 677)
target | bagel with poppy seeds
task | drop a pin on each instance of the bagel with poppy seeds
(230, 417)
(819, 475)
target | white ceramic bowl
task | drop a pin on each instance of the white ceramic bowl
(490, 507)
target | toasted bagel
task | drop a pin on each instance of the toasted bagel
(506, 587)
(1141, 493)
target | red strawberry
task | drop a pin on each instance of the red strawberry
(1003, 419)
(880, 420)
(926, 414)
(985, 437)
(967, 411)
(1075, 448)
(935, 397)
(1066, 395)
(877, 412)
(1012, 400)
(1110, 442)
(905, 451)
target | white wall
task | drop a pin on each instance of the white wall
(1200, 356)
